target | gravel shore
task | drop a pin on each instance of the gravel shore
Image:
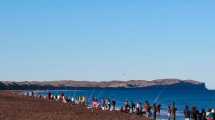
(17, 107)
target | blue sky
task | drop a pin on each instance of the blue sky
(107, 39)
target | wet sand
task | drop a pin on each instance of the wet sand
(17, 107)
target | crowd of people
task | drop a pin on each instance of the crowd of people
(146, 109)
(103, 104)
(64, 99)
(195, 114)
(143, 109)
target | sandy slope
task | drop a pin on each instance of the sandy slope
(15, 107)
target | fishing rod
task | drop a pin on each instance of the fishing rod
(91, 95)
(159, 95)
(100, 93)
(74, 93)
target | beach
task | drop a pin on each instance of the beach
(17, 107)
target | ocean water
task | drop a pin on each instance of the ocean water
(199, 98)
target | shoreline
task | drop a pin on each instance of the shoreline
(18, 107)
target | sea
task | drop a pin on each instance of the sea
(202, 99)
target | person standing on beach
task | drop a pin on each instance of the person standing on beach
(173, 111)
(109, 104)
(187, 113)
(203, 114)
(169, 112)
(127, 107)
(132, 106)
(103, 104)
(154, 111)
(138, 108)
(199, 115)
(63, 99)
(211, 115)
(159, 109)
(147, 108)
(32, 93)
(49, 96)
(114, 105)
(194, 113)
(106, 104)
(94, 104)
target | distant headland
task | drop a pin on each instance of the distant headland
(71, 84)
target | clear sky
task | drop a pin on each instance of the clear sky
(107, 39)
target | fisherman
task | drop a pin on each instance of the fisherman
(95, 104)
(147, 109)
(63, 99)
(109, 104)
(68, 100)
(132, 106)
(138, 108)
(25, 93)
(127, 107)
(102, 102)
(55, 98)
(73, 100)
(158, 109)
(106, 104)
(114, 105)
(40, 96)
(199, 115)
(49, 96)
(32, 93)
(58, 98)
(83, 100)
(154, 111)
(194, 113)
(203, 114)
(187, 113)
(173, 111)
(169, 112)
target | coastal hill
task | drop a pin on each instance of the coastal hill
(69, 84)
